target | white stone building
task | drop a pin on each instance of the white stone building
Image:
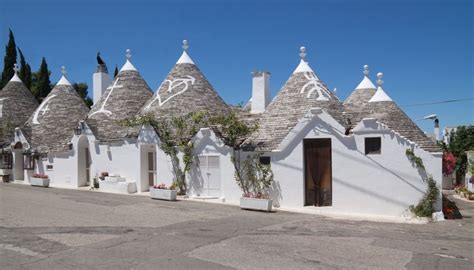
(349, 156)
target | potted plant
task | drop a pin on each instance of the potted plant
(163, 192)
(256, 179)
(40, 180)
(259, 202)
(103, 175)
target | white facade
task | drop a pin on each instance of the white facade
(384, 184)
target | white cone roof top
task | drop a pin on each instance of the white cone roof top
(128, 65)
(380, 94)
(303, 66)
(63, 80)
(366, 83)
(185, 59)
(15, 77)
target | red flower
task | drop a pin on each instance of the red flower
(449, 163)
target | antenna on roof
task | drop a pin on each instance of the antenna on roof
(128, 54)
(366, 70)
(185, 45)
(302, 53)
(63, 70)
(379, 80)
(16, 68)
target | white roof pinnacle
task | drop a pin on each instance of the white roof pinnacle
(63, 80)
(380, 94)
(303, 66)
(366, 83)
(15, 77)
(128, 65)
(185, 59)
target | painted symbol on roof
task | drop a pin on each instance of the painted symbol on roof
(172, 85)
(1, 106)
(102, 107)
(43, 109)
(314, 85)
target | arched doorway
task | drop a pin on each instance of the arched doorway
(83, 162)
(18, 173)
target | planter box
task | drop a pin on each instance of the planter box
(256, 204)
(163, 194)
(118, 187)
(39, 182)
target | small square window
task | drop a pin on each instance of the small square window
(265, 160)
(49, 167)
(373, 146)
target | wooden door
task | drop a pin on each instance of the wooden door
(151, 168)
(88, 165)
(318, 172)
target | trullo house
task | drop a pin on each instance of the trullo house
(48, 139)
(345, 156)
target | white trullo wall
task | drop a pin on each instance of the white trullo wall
(385, 184)
(206, 144)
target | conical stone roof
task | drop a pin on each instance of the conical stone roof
(386, 111)
(184, 90)
(16, 105)
(302, 92)
(355, 103)
(121, 100)
(51, 126)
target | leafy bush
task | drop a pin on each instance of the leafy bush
(256, 178)
(426, 205)
(163, 186)
(449, 163)
(40, 175)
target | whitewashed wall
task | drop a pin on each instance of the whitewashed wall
(385, 184)
(206, 143)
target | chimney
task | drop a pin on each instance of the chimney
(100, 82)
(260, 91)
(436, 129)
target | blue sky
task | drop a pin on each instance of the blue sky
(424, 48)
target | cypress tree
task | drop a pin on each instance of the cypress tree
(8, 61)
(25, 70)
(42, 87)
(115, 71)
(81, 89)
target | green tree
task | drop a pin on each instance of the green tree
(116, 72)
(81, 89)
(41, 83)
(462, 140)
(175, 137)
(25, 70)
(8, 61)
(233, 131)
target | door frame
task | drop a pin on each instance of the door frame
(206, 175)
(19, 162)
(305, 143)
(154, 169)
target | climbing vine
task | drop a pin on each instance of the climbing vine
(426, 206)
(252, 177)
(175, 137)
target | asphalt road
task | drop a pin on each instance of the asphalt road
(70, 229)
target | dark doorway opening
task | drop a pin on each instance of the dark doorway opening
(318, 172)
